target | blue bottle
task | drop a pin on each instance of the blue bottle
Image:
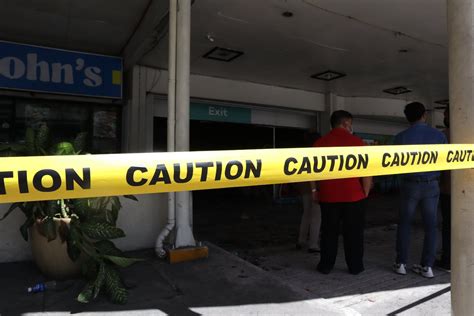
(41, 287)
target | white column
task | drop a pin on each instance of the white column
(461, 31)
(184, 234)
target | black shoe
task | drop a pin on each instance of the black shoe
(312, 250)
(323, 270)
(356, 272)
(443, 265)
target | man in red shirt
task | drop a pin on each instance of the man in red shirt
(342, 201)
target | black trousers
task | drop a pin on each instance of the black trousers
(445, 201)
(351, 216)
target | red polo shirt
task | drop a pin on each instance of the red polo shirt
(340, 190)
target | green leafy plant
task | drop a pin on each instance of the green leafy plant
(91, 228)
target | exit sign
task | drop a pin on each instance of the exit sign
(218, 113)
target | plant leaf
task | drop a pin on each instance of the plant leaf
(63, 231)
(99, 231)
(52, 208)
(74, 240)
(89, 269)
(114, 286)
(80, 142)
(86, 295)
(11, 209)
(131, 197)
(107, 247)
(123, 262)
(99, 281)
(63, 148)
(48, 229)
(81, 207)
(30, 141)
(42, 138)
(24, 228)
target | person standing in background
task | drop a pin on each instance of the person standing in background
(342, 202)
(420, 188)
(311, 218)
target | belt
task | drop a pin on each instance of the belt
(420, 180)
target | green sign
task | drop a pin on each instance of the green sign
(211, 112)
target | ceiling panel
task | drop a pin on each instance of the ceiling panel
(102, 26)
(287, 51)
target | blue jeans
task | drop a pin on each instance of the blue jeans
(426, 195)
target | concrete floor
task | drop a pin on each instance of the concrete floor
(377, 291)
(259, 273)
(283, 282)
(223, 284)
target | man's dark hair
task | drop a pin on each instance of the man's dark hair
(337, 117)
(414, 111)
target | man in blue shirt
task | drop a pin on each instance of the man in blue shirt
(420, 188)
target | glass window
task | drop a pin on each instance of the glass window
(65, 121)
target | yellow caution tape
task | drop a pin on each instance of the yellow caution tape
(55, 177)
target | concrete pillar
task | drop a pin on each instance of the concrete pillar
(461, 72)
(333, 103)
(138, 114)
(184, 234)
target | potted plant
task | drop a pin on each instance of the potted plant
(73, 236)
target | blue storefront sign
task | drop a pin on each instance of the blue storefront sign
(41, 69)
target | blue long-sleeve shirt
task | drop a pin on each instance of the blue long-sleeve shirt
(419, 134)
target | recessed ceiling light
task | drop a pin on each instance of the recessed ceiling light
(328, 75)
(222, 54)
(443, 102)
(287, 14)
(210, 37)
(397, 90)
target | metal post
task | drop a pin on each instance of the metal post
(461, 79)
(184, 234)
(171, 123)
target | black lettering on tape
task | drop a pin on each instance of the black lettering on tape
(351, 162)
(251, 168)
(286, 168)
(131, 176)
(228, 170)
(177, 173)
(363, 161)
(305, 166)
(23, 182)
(38, 180)
(72, 177)
(385, 156)
(332, 158)
(434, 157)
(205, 167)
(449, 157)
(161, 174)
(4, 175)
(341, 162)
(317, 169)
(426, 157)
(218, 171)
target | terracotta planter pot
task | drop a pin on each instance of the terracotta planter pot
(51, 257)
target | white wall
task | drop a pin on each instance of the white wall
(375, 106)
(379, 127)
(140, 220)
(240, 91)
(12, 246)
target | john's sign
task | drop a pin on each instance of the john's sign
(33, 68)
